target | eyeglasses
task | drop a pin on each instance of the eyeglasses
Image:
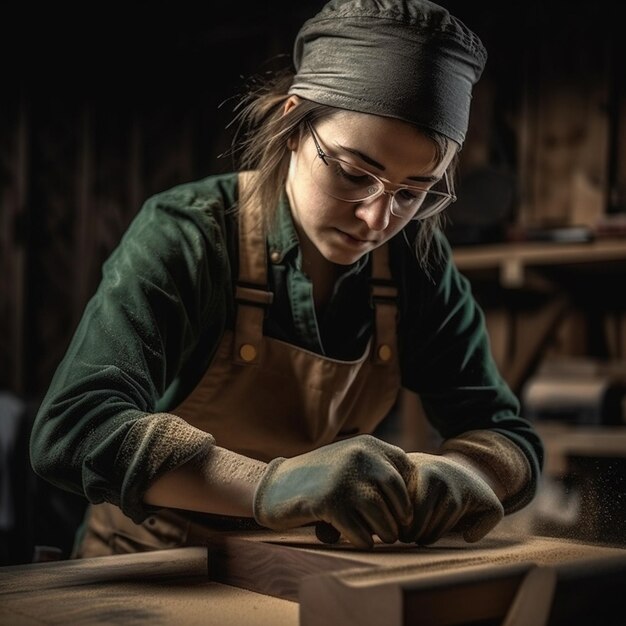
(350, 183)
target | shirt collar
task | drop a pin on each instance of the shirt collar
(283, 238)
(284, 244)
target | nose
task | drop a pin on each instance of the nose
(375, 213)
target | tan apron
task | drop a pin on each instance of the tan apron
(264, 398)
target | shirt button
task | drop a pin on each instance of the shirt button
(384, 352)
(247, 352)
(275, 256)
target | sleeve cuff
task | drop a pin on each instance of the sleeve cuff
(503, 459)
(155, 445)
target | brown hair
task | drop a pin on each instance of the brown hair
(260, 145)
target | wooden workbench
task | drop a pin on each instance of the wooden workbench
(289, 579)
(166, 587)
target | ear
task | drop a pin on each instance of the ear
(291, 103)
(293, 141)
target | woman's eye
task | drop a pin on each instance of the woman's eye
(351, 174)
(410, 194)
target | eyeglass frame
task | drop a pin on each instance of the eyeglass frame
(450, 196)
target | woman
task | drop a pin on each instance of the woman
(252, 330)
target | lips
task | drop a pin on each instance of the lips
(356, 238)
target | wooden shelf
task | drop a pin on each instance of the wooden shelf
(512, 259)
(563, 441)
(559, 277)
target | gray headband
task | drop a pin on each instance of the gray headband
(407, 59)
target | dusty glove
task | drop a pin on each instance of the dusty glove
(502, 461)
(448, 496)
(357, 485)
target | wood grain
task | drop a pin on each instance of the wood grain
(162, 564)
(272, 567)
(154, 588)
(449, 583)
(286, 579)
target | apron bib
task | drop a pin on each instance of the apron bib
(264, 398)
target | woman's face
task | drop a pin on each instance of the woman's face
(342, 231)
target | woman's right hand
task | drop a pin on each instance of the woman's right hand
(357, 485)
(449, 496)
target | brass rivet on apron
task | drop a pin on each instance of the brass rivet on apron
(384, 352)
(275, 256)
(247, 352)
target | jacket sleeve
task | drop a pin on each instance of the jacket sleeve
(98, 431)
(447, 360)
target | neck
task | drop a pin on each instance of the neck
(322, 273)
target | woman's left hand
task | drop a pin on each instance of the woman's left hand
(448, 496)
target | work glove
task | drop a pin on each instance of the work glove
(357, 485)
(448, 496)
(501, 461)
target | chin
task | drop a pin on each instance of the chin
(341, 257)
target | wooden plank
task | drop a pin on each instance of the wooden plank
(158, 565)
(564, 441)
(538, 254)
(533, 600)
(410, 596)
(532, 332)
(181, 601)
(300, 553)
(263, 564)
(161, 587)
(451, 582)
(586, 591)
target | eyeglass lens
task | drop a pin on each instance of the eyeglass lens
(350, 183)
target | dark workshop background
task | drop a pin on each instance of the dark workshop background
(104, 104)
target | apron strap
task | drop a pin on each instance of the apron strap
(384, 294)
(251, 294)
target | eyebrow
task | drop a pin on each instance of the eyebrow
(381, 167)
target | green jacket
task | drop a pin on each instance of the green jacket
(165, 299)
